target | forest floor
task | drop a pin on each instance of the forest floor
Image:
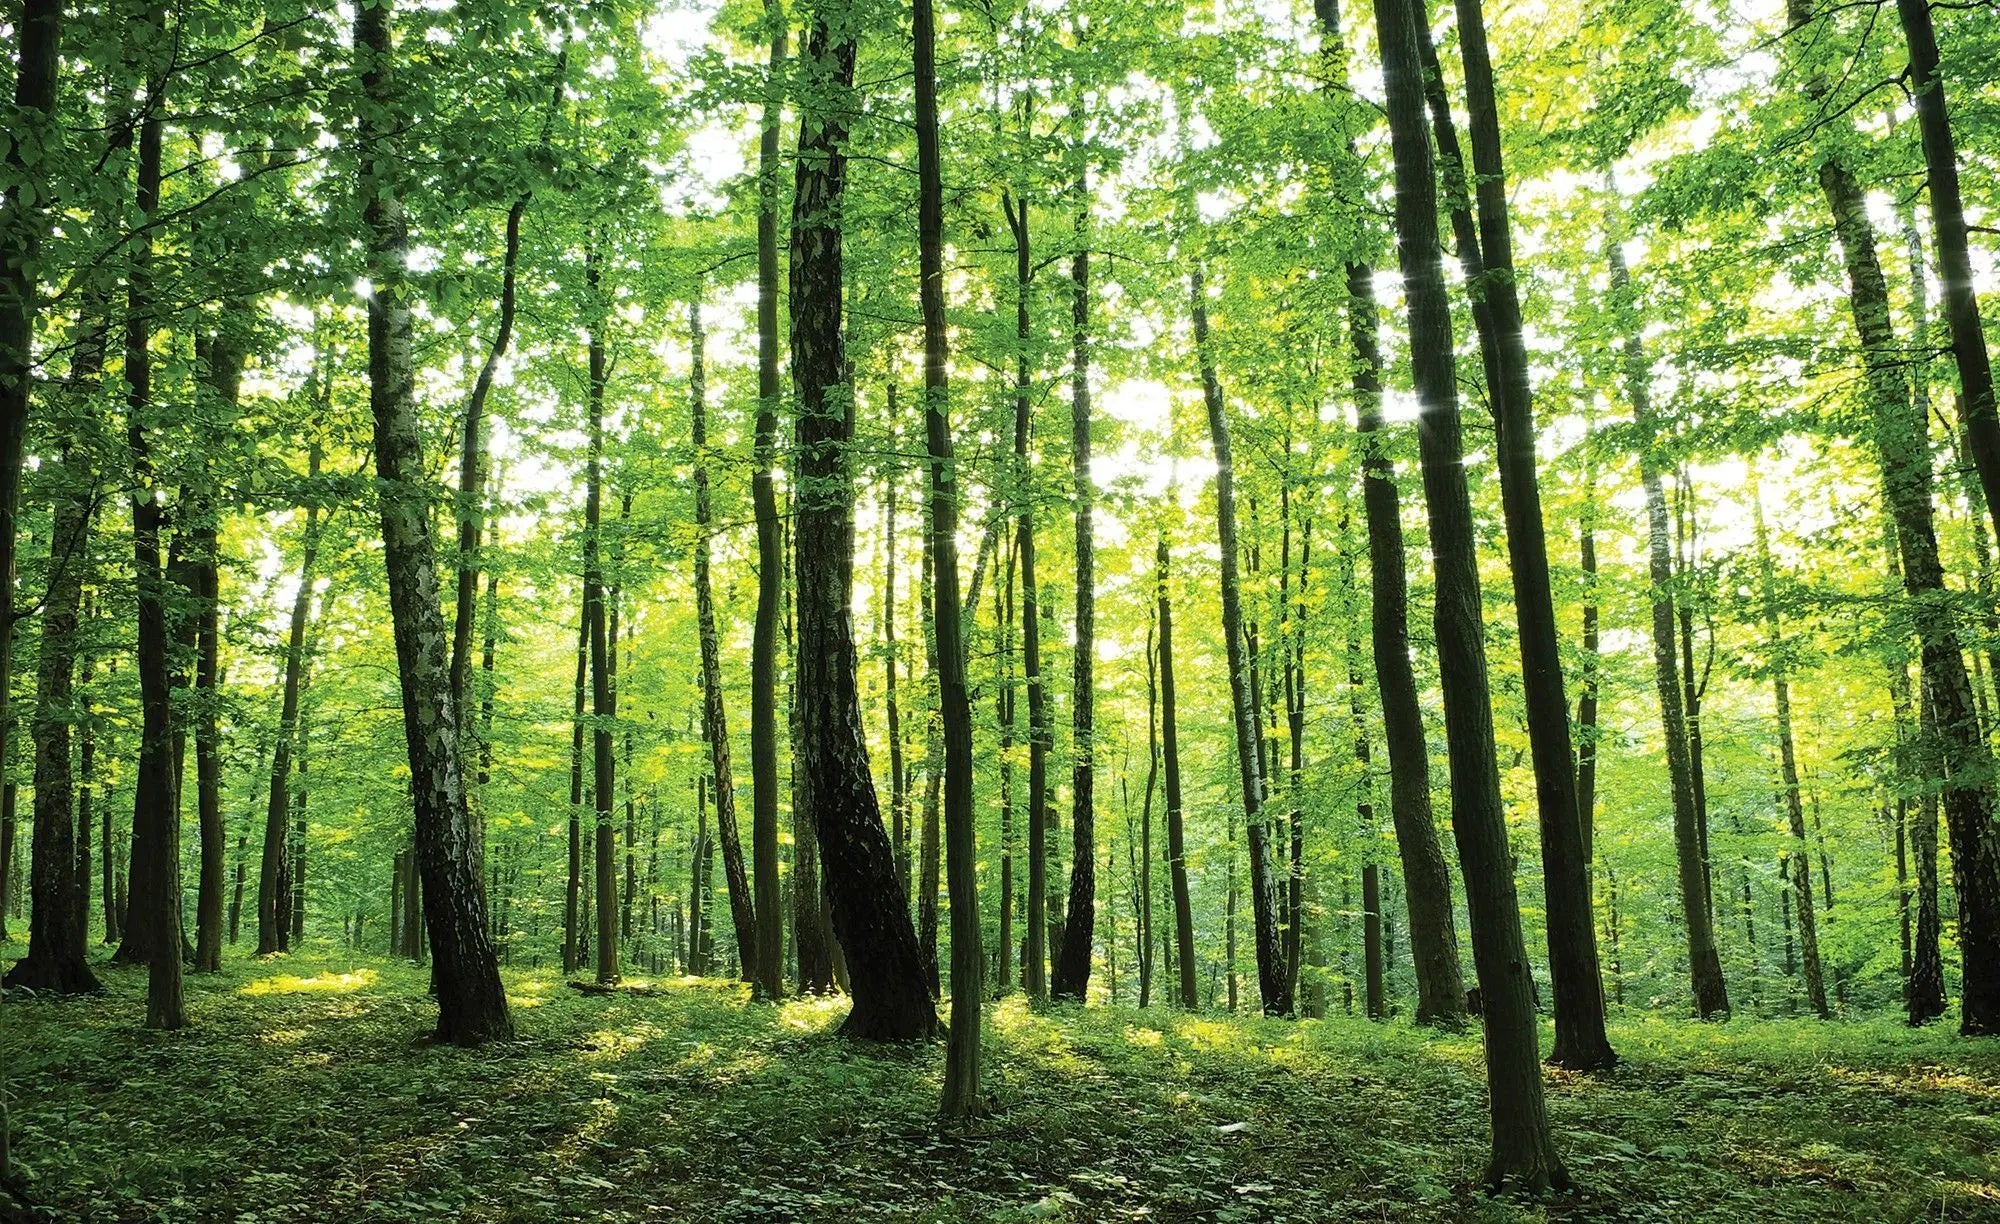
(304, 1092)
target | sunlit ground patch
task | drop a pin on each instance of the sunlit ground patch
(325, 983)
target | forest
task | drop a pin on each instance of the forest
(998, 610)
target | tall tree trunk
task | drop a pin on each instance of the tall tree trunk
(1170, 753)
(1797, 862)
(1523, 1152)
(274, 872)
(1142, 867)
(1274, 991)
(1692, 687)
(472, 1007)
(1003, 619)
(871, 913)
(156, 811)
(1072, 971)
(603, 705)
(930, 846)
(24, 217)
(56, 962)
(814, 975)
(968, 957)
(296, 914)
(1426, 878)
(765, 976)
(1711, 994)
(899, 779)
(1923, 991)
(1961, 303)
(1036, 958)
(1965, 761)
(1587, 683)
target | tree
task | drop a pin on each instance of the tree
(1523, 1152)
(472, 1007)
(1072, 974)
(871, 915)
(274, 875)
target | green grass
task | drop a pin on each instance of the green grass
(305, 1093)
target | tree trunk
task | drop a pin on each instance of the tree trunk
(1711, 995)
(1072, 971)
(56, 962)
(603, 706)
(1170, 755)
(871, 913)
(472, 1007)
(1426, 878)
(296, 914)
(1523, 1153)
(1923, 991)
(573, 955)
(1797, 863)
(1586, 701)
(274, 872)
(1965, 762)
(1961, 304)
(1274, 991)
(968, 957)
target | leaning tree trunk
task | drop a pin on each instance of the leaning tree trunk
(871, 914)
(1426, 878)
(1965, 763)
(275, 872)
(714, 715)
(1798, 863)
(472, 1007)
(1523, 1152)
(1711, 994)
(1274, 991)
(56, 962)
(968, 955)
(1072, 971)
(1580, 1040)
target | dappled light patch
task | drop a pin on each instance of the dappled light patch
(323, 983)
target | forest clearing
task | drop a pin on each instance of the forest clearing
(999, 609)
(306, 1096)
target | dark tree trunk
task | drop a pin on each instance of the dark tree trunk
(472, 1007)
(1711, 995)
(871, 913)
(1170, 755)
(296, 914)
(38, 31)
(1274, 990)
(1586, 701)
(56, 962)
(1965, 762)
(968, 957)
(573, 954)
(1923, 991)
(1797, 863)
(1072, 972)
(1426, 878)
(1523, 1153)
(274, 873)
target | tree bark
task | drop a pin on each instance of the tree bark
(1523, 1153)
(274, 873)
(472, 1007)
(1170, 755)
(573, 954)
(871, 914)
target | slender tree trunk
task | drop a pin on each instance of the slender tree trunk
(1586, 701)
(1692, 688)
(871, 913)
(1711, 995)
(1923, 991)
(296, 914)
(472, 1007)
(1072, 972)
(930, 846)
(1142, 868)
(1170, 754)
(1965, 760)
(1036, 958)
(603, 705)
(968, 957)
(1798, 871)
(899, 780)
(1523, 1152)
(274, 873)
(1426, 878)
(1274, 990)
(1003, 619)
